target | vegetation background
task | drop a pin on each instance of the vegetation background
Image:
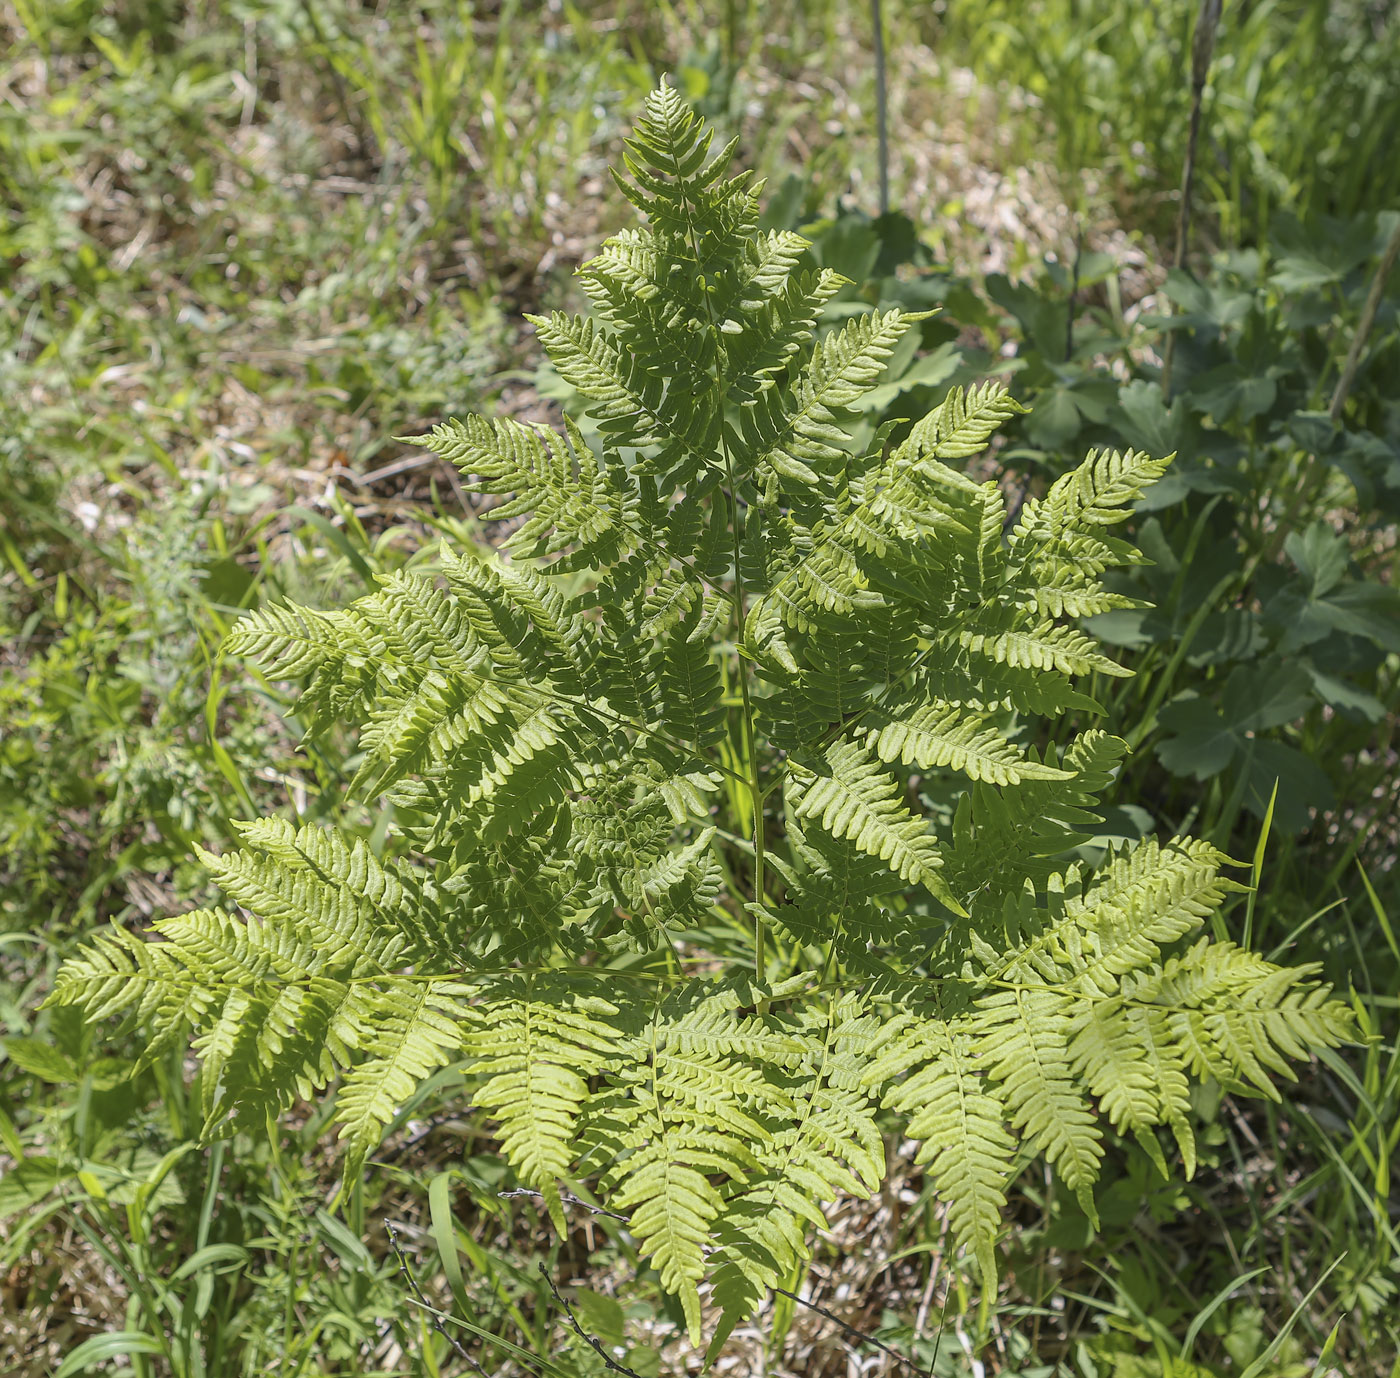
(243, 244)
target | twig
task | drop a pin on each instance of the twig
(428, 1306)
(563, 1196)
(399, 466)
(1363, 326)
(609, 1362)
(850, 1329)
(1202, 47)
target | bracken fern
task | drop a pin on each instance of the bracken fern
(718, 843)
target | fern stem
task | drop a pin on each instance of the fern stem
(760, 960)
(753, 781)
(750, 744)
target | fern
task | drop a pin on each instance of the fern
(728, 662)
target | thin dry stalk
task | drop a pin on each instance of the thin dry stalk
(882, 134)
(1202, 49)
(1367, 320)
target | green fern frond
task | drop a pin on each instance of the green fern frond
(833, 885)
(1098, 493)
(853, 797)
(677, 186)
(1133, 1073)
(291, 642)
(356, 910)
(693, 1096)
(118, 972)
(691, 694)
(795, 436)
(961, 425)
(628, 396)
(1145, 898)
(1239, 1018)
(940, 734)
(570, 500)
(1046, 646)
(830, 1146)
(1072, 592)
(964, 1145)
(1023, 1035)
(777, 322)
(414, 1028)
(535, 1042)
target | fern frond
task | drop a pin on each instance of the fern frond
(693, 1097)
(1099, 492)
(829, 1147)
(964, 1144)
(438, 714)
(1145, 898)
(691, 691)
(1024, 1037)
(1046, 646)
(414, 1028)
(358, 912)
(335, 651)
(535, 1041)
(963, 422)
(571, 500)
(1133, 1073)
(940, 734)
(833, 886)
(853, 797)
(795, 436)
(769, 263)
(629, 398)
(1069, 591)
(774, 331)
(1237, 1017)
(678, 190)
(625, 273)
(117, 972)
(291, 642)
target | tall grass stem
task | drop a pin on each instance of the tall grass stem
(1364, 324)
(882, 132)
(1202, 49)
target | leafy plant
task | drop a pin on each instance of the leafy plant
(1265, 656)
(711, 828)
(1275, 614)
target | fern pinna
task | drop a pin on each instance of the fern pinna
(719, 842)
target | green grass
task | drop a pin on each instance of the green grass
(1297, 108)
(241, 248)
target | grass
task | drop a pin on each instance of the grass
(1299, 96)
(241, 248)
